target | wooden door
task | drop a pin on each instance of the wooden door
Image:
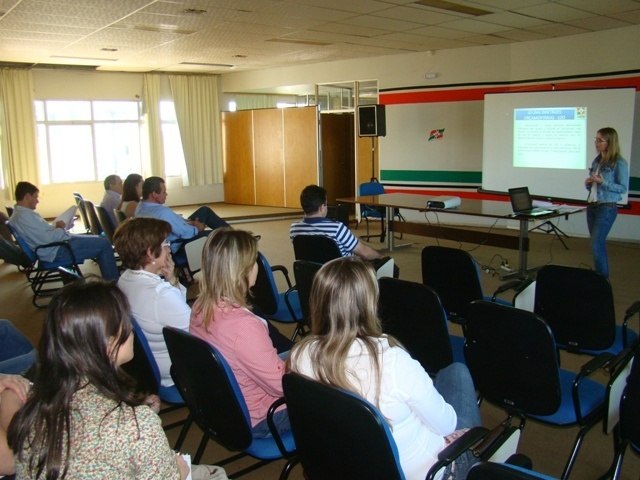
(338, 155)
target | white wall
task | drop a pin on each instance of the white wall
(579, 55)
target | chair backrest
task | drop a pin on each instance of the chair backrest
(315, 248)
(453, 274)
(512, 357)
(105, 222)
(83, 211)
(412, 313)
(193, 252)
(119, 215)
(12, 253)
(92, 217)
(143, 367)
(577, 304)
(303, 272)
(338, 434)
(630, 406)
(264, 293)
(24, 246)
(371, 188)
(501, 471)
(209, 389)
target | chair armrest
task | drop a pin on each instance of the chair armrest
(596, 363)
(282, 269)
(63, 243)
(274, 431)
(630, 312)
(287, 294)
(449, 454)
(510, 285)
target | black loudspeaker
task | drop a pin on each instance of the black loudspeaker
(372, 121)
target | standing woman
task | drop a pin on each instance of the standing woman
(347, 349)
(131, 194)
(608, 180)
(82, 419)
(221, 316)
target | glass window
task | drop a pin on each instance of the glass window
(174, 164)
(116, 111)
(71, 164)
(68, 110)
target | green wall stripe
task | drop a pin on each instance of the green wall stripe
(430, 176)
(634, 184)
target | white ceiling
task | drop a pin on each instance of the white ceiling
(162, 35)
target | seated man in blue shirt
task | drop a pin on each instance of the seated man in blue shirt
(313, 200)
(36, 231)
(154, 194)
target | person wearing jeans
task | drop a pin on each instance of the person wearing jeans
(35, 231)
(608, 180)
(347, 349)
(17, 354)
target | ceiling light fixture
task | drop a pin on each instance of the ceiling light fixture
(194, 11)
(453, 7)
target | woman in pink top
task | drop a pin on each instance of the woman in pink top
(221, 316)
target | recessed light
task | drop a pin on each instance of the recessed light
(194, 11)
(109, 49)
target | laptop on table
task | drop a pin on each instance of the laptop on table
(522, 204)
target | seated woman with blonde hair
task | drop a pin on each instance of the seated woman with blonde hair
(156, 297)
(347, 349)
(82, 419)
(221, 316)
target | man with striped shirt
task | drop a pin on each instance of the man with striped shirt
(315, 222)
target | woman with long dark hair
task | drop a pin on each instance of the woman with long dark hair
(131, 194)
(608, 180)
(82, 418)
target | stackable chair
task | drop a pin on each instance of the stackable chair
(43, 277)
(504, 471)
(370, 212)
(105, 222)
(120, 216)
(627, 429)
(95, 228)
(340, 435)
(315, 248)
(83, 211)
(215, 401)
(513, 359)
(271, 304)
(412, 313)
(453, 274)
(144, 369)
(303, 273)
(578, 306)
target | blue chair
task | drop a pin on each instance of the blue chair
(217, 405)
(412, 313)
(368, 212)
(271, 304)
(578, 306)
(513, 359)
(43, 276)
(340, 435)
(144, 369)
(454, 275)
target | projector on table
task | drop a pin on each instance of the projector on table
(443, 202)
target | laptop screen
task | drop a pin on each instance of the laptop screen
(520, 199)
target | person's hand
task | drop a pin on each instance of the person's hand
(153, 402)
(182, 466)
(17, 384)
(597, 179)
(198, 224)
(60, 224)
(168, 270)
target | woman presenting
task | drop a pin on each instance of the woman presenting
(608, 180)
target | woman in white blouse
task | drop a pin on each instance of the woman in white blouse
(347, 349)
(156, 297)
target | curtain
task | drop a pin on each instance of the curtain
(195, 98)
(151, 112)
(17, 121)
